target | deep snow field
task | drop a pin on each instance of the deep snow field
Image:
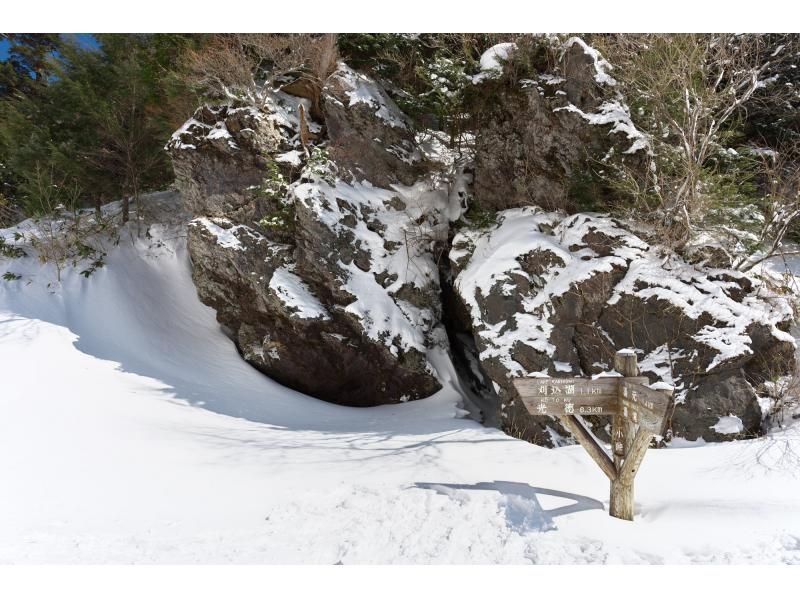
(132, 432)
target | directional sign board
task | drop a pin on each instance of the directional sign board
(568, 396)
(638, 411)
(571, 396)
(642, 405)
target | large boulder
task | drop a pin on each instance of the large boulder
(329, 287)
(340, 336)
(555, 295)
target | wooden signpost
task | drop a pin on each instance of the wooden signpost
(638, 414)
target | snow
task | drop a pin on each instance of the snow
(785, 263)
(436, 147)
(491, 257)
(764, 151)
(283, 109)
(493, 58)
(220, 131)
(611, 374)
(410, 231)
(614, 113)
(662, 386)
(493, 260)
(295, 295)
(550, 79)
(360, 89)
(195, 129)
(292, 157)
(226, 235)
(767, 82)
(491, 61)
(131, 431)
(176, 140)
(659, 363)
(695, 293)
(601, 65)
(728, 424)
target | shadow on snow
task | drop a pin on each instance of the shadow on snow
(523, 510)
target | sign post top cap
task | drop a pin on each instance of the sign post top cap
(611, 374)
(662, 386)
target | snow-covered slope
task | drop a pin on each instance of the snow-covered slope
(132, 432)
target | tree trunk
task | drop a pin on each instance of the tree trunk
(138, 215)
(125, 209)
(136, 206)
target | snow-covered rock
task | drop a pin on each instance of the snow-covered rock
(323, 261)
(540, 136)
(327, 284)
(219, 152)
(548, 294)
(369, 135)
(337, 314)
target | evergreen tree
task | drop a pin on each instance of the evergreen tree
(96, 130)
(29, 63)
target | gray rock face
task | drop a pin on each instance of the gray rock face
(218, 154)
(537, 137)
(526, 153)
(320, 283)
(715, 396)
(560, 296)
(368, 132)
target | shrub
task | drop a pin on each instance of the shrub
(12, 251)
(689, 92)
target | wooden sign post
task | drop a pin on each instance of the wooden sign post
(638, 414)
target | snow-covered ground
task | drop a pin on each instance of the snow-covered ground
(132, 432)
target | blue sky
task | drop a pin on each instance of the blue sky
(85, 39)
